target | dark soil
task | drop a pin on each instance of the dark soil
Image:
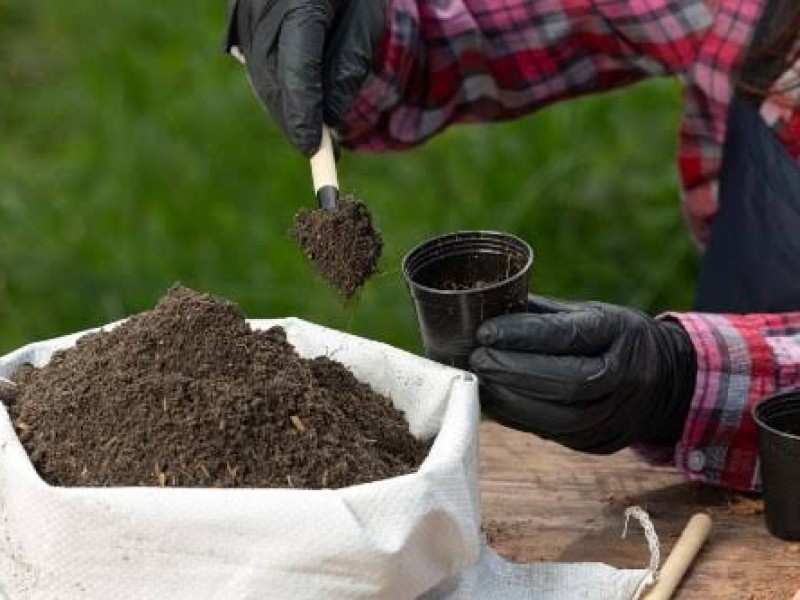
(188, 395)
(8, 396)
(342, 244)
(476, 272)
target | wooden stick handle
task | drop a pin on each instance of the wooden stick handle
(686, 548)
(323, 172)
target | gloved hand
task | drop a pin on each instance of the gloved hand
(591, 376)
(306, 59)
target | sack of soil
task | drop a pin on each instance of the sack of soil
(410, 535)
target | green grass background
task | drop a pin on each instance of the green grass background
(133, 155)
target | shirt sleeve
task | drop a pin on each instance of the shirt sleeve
(480, 60)
(699, 164)
(708, 90)
(741, 359)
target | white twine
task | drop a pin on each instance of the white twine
(640, 515)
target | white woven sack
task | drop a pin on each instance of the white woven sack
(397, 538)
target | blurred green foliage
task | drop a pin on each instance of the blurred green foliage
(133, 155)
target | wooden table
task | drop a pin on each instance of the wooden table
(544, 502)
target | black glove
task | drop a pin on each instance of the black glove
(591, 376)
(306, 59)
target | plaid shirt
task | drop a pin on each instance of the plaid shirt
(740, 359)
(450, 61)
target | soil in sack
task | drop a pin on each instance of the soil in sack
(189, 395)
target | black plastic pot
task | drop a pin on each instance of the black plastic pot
(459, 280)
(778, 422)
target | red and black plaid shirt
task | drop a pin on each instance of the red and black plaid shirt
(450, 61)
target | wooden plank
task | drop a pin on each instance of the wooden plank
(542, 502)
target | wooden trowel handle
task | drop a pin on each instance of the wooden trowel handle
(323, 173)
(682, 555)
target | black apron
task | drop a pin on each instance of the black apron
(752, 263)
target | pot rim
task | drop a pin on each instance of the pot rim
(468, 232)
(776, 397)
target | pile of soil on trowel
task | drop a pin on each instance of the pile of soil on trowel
(342, 243)
(189, 395)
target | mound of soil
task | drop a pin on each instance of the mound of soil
(342, 244)
(189, 395)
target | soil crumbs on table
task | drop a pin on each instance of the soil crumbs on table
(342, 243)
(744, 506)
(189, 395)
(499, 532)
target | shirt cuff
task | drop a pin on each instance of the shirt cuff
(718, 445)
